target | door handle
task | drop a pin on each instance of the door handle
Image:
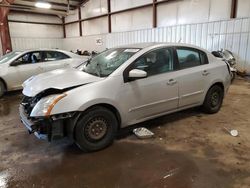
(205, 73)
(171, 82)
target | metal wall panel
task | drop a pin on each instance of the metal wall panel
(95, 26)
(230, 34)
(191, 11)
(29, 36)
(94, 8)
(219, 10)
(35, 30)
(33, 17)
(73, 16)
(132, 20)
(167, 14)
(117, 5)
(243, 8)
(19, 43)
(72, 30)
(85, 43)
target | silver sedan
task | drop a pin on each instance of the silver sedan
(121, 87)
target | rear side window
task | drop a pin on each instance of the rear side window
(54, 56)
(190, 58)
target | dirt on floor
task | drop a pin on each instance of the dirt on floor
(189, 150)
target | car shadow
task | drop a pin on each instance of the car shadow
(160, 121)
(71, 148)
(8, 102)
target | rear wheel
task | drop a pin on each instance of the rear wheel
(213, 100)
(96, 129)
(2, 89)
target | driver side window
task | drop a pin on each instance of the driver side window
(29, 58)
(156, 62)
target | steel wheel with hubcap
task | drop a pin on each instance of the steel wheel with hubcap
(96, 129)
(213, 100)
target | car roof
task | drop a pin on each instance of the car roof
(156, 44)
(138, 45)
(41, 49)
(49, 49)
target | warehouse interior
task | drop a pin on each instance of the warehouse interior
(189, 149)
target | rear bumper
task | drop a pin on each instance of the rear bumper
(45, 129)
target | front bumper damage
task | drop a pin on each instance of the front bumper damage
(43, 128)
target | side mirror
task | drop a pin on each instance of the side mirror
(137, 74)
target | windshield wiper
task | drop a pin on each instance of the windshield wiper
(88, 61)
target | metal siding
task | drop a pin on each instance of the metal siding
(19, 43)
(230, 34)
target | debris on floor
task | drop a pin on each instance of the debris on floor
(143, 133)
(171, 173)
(233, 133)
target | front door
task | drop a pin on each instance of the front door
(29, 64)
(156, 94)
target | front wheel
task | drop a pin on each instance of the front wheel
(96, 129)
(213, 100)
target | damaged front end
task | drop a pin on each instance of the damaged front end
(46, 127)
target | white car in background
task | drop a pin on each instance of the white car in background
(16, 67)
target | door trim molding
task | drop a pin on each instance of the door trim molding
(152, 104)
(192, 94)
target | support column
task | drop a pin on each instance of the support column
(64, 27)
(234, 8)
(4, 27)
(80, 22)
(154, 13)
(109, 17)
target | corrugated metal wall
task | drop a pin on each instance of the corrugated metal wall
(32, 36)
(23, 43)
(85, 43)
(230, 34)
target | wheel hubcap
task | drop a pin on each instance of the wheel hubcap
(215, 99)
(96, 128)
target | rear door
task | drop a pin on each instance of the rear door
(56, 60)
(194, 76)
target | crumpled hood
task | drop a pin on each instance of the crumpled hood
(57, 79)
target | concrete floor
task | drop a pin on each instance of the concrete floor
(190, 149)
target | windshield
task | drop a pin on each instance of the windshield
(8, 56)
(107, 62)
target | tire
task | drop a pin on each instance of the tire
(213, 100)
(2, 89)
(96, 129)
